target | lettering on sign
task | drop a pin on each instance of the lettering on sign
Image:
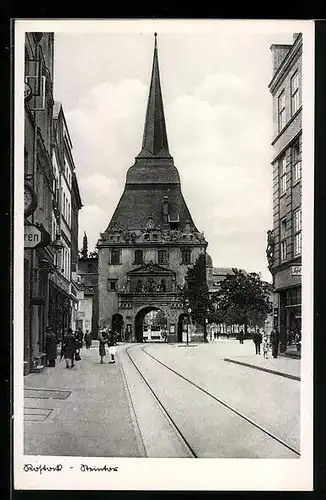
(296, 270)
(32, 236)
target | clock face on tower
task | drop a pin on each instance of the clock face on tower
(30, 200)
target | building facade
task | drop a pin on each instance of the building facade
(48, 235)
(151, 239)
(38, 192)
(285, 239)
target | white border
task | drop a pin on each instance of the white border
(170, 474)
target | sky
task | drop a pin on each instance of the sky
(218, 112)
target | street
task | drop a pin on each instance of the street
(166, 400)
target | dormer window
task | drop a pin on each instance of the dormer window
(174, 221)
(146, 236)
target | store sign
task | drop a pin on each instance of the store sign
(32, 236)
(36, 236)
(296, 270)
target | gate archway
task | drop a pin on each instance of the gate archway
(139, 321)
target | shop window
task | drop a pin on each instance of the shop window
(139, 257)
(186, 256)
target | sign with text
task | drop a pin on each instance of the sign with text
(32, 236)
(296, 270)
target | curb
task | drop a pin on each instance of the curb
(286, 375)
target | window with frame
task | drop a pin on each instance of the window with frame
(115, 256)
(281, 111)
(283, 240)
(282, 169)
(112, 285)
(296, 162)
(297, 235)
(139, 258)
(295, 93)
(162, 257)
(186, 256)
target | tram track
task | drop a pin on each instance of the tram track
(219, 401)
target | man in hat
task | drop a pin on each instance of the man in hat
(50, 346)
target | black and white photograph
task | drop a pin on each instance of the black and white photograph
(163, 175)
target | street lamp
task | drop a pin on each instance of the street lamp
(205, 325)
(188, 318)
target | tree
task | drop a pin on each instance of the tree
(93, 254)
(160, 319)
(243, 298)
(196, 291)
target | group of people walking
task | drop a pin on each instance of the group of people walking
(71, 344)
(260, 337)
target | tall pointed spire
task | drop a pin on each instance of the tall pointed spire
(84, 251)
(155, 141)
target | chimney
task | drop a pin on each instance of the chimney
(279, 53)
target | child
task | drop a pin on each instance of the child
(265, 345)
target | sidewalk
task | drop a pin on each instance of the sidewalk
(282, 365)
(80, 411)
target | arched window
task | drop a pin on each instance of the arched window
(138, 256)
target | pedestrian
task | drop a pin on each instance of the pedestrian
(69, 348)
(241, 335)
(88, 339)
(265, 345)
(103, 338)
(50, 346)
(80, 337)
(112, 342)
(257, 338)
(274, 340)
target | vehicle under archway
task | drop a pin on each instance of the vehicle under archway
(146, 326)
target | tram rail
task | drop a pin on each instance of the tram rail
(207, 393)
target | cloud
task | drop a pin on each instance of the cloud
(219, 124)
(93, 220)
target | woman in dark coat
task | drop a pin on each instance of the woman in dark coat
(88, 339)
(70, 345)
(50, 346)
(103, 338)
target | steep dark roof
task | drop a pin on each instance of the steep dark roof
(153, 175)
(138, 203)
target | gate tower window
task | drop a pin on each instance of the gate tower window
(139, 257)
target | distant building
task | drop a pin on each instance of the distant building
(285, 239)
(87, 314)
(215, 276)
